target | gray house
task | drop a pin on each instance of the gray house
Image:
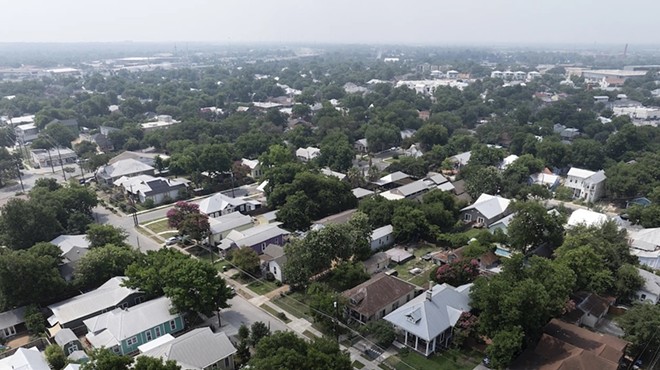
(486, 210)
(69, 342)
(11, 322)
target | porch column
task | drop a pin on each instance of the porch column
(416, 342)
(405, 341)
(427, 349)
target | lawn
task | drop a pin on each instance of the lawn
(423, 277)
(262, 287)
(294, 304)
(445, 360)
(357, 364)
(309, 334)
(221, 263)
(275, 313)
(158, 226)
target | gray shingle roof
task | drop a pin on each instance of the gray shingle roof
(12, 318)
(125, 167)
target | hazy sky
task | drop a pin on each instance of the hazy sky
(344, 21)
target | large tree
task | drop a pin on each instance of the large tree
(99, 235)
(532, 225)
(24, 223)
(102, 263)
(641, 325)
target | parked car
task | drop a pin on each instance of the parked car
(173, 240)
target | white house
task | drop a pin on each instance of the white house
(25, 359)
(123, 168)
(307, 154)
(486, 210)
(361, 145)
(223, 225)
(506, 162)
(273, 261)
(650, 291)
(461, 159)
(549, 180)
(425, 324)
(26, 133)
(586, 185)
(382, 237)
(410, 190)
(53, 157)
(197, 349)
(255, 167)
(158, 189)
(586, 217)
(219, 204)
(645, 244)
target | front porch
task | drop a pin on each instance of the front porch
(423, 346)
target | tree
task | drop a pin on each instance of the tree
(24, 223)
(258, 331)
(382, 137)
(85, 149)
(431, 134)
(104, 359)
(480, 180)
(152, 363)
(532, 225)
(588, 269)
(409, 224)
(378, 209)
(346, 275)
(505, 347)
(195, 225)
(457, 273)
(287, 351)
(382, 332)
(177, 214)
(641, 324)
(337, 152)
(415, 167)
(324, 305)
(627, 282)
(246, 259)
(192, 285)
(55, 356)
(35, 322)
(58, 134)
(102, 263)
(100, 235)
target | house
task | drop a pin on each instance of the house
(393, 180)
(162, 121)
(408, 191)
(12, 322)
(376, 263)
(360, 193)
(26, 133)
(72, 312)
(407, 133)
(221, 226)
(124, 329)
(645, 244)
(461, 159)
(486, 261)
(71, 124)
(69, 342)
(436, 179)
(144, 156)
(257, 238)
(585, 217)
(586, 185)
(336, 219)
(157, 189)
(425, 324)
(52, 157)
(73, 248)
(377, 297)
(328, 172)
(568, 346)
(507, 161)
(486, 210)
(501, 224)
(361, 145)
(219, 204)
(101, 140)
(25, 359)
(255, 167)
(382, 237)
(123, 168)
(650, 291)
(589, 310)
(273, 260)
(545, 178)
(307, 154)
(199, 349)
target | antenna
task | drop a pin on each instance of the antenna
(625, 51)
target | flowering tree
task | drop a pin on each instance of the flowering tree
(176, 215)
(458, 272)
(465, 328)
(186, 218)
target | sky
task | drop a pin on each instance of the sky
(415, 22)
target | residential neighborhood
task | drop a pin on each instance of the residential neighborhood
(322, 206)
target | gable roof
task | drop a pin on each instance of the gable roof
(12, 317)
(218, 202)
(150, 185)
(106, 296)
(69, 242)
(251, 163)
(489, 205)
(380, 291)
(651, 281)
(275, 253)
(252, 236)
(427, 318)
(586, 217)
(25, 359)
(228, 222)
(361, 192)
(110, 328)
(580, 173)
(65, 336)
(646, 239)
(393, 177)
(124, 167)
(381, 232)
(411, 188)
(461, 158)
(196, 349)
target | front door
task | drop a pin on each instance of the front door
(8, 332)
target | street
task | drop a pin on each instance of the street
(135, 238)
(243, 312)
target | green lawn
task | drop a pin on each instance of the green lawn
(309, 334)
(275, 313)
(159, 226)
(294, 304)
(445, 360)
(357, 364)
(262, 287)
(219, 264)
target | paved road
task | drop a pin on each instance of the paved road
(243, 312)
(135, 238)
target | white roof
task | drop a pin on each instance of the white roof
(429, 318)
(155, 343)
(308, 153)
(381, 232)
(462, 158)
(328, 172)
(25, 127)
(124, 167)
(72, 367)
(489, 205)
(252, 163)
(508, 160)
(387, 179)
(646, 239)
(106, 296)
(651, 281)
(112, 327)
(361, 192)
(447, 186)
(148, 185)
(580, 173)
(218, 202)
(542, 178)
(389, 195)
(228, 222)
(68, 242)
(586, 217)
(438, 179)
(197, 349)
(411, 188)
(25, 359)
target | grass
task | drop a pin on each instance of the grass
(357, 364)
(309, 334)
(275, 313)
(262, 287)
(445, 360)
(159, 226)
(294, 304)
(219, 264)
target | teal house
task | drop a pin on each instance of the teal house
(124, 329)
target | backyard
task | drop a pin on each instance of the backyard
(421, 278)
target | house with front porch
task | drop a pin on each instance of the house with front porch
(377, 297)
(426, 323)
(273, 261)
(122, 330)
(219, 204)
(257, 238)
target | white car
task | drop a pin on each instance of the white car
(173, 240)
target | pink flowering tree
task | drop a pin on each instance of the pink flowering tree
(176, 215)
(186, 218)
(457, 273)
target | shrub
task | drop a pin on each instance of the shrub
(149, 203)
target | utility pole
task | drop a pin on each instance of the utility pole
(335, 303)
(20, 179)
(61, 163)
(51, 160)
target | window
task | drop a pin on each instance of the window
(157, 331)
(148, 335)
(467, 217)
(395, 305)
(480, 220)
(172, 324)
(382, 313)
(115, 349)
(643, 297)
(227, 362)
(139, 300)
(73, 348)
(274, 270)
(123, 306)
(131, 341)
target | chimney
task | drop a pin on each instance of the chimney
(429, 292)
